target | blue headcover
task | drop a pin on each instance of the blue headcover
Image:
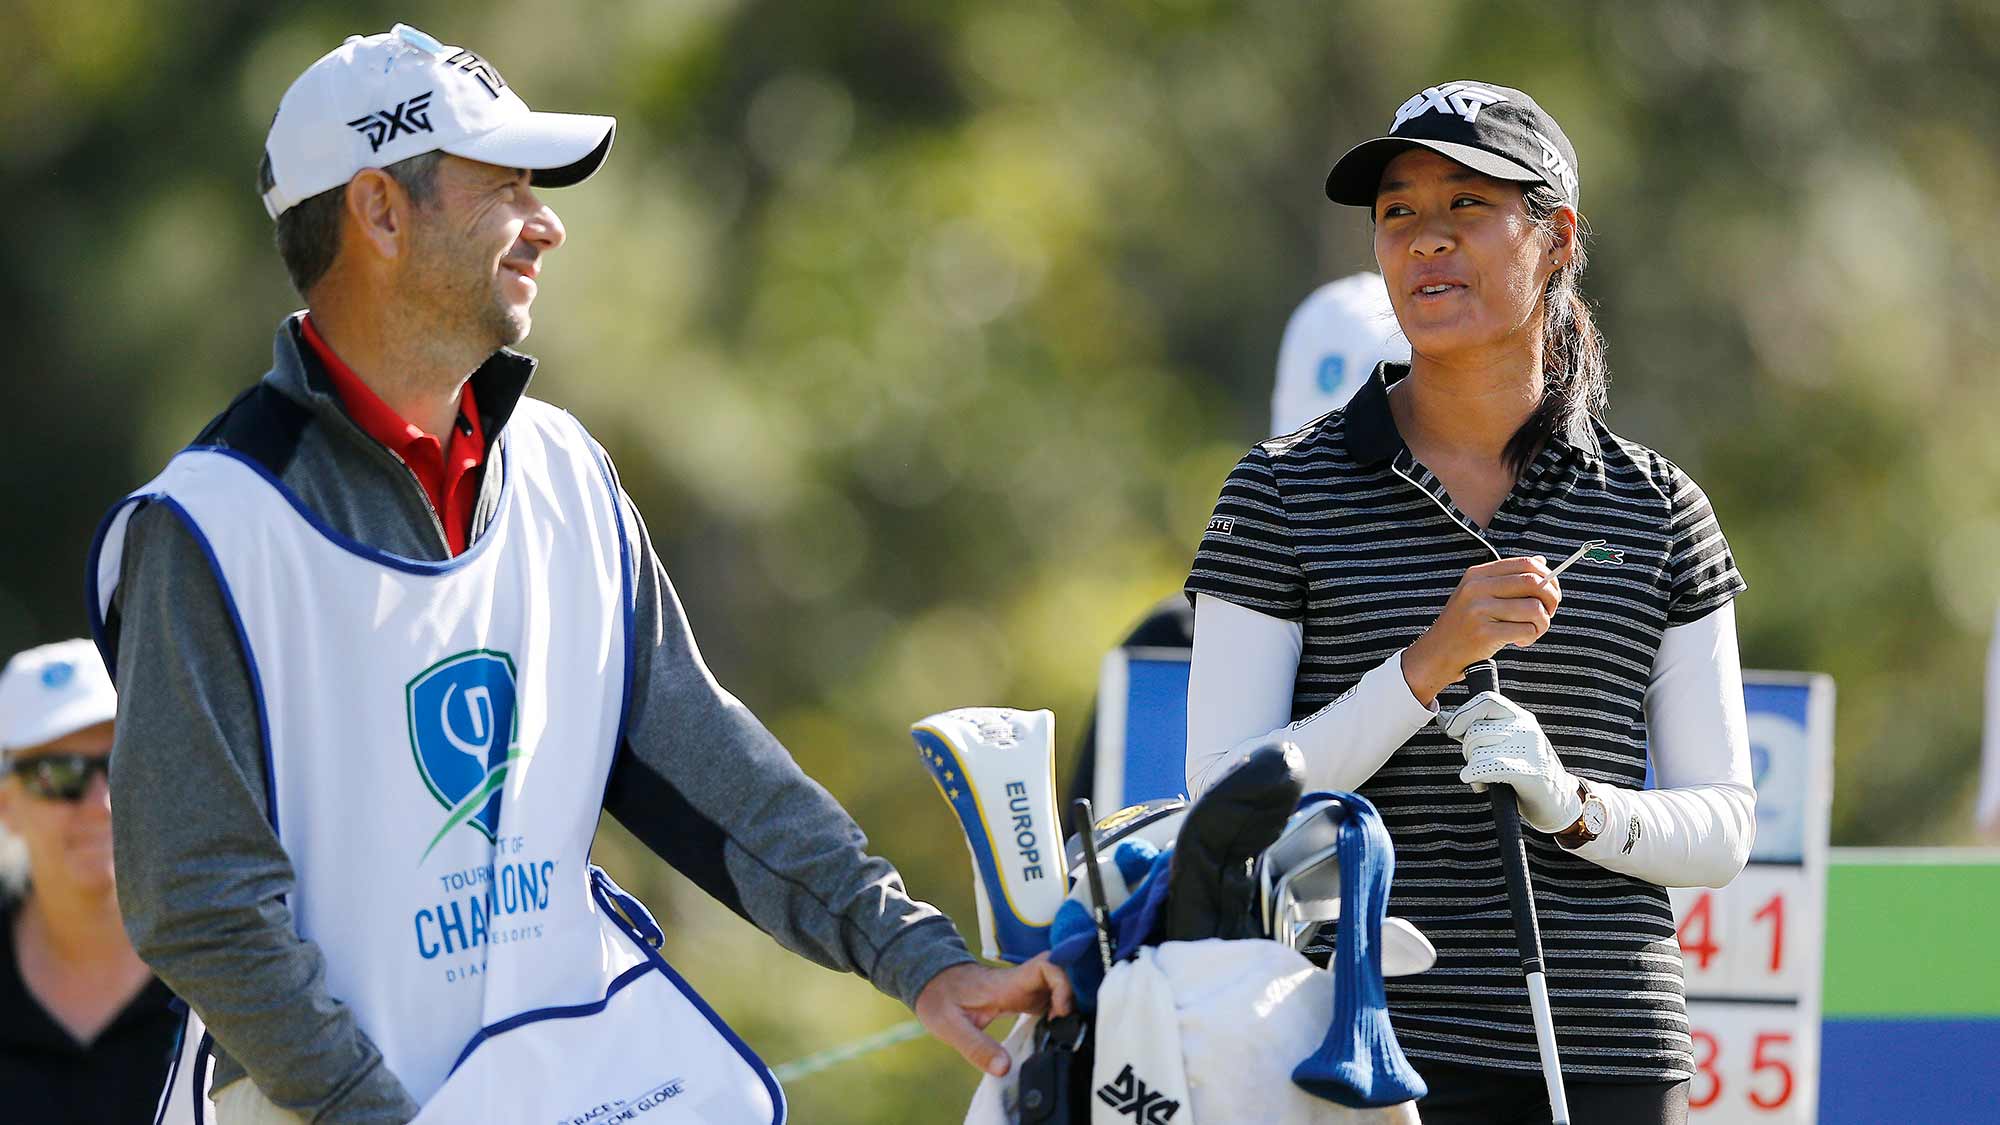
(1073, 935)
(1360, 1064)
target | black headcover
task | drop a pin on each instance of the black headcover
(1211, 891)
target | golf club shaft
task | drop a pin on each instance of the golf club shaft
(1080, 812)
(1485, 676)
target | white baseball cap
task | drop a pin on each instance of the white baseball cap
(1332, 343)
(378, 99)
(51, 691)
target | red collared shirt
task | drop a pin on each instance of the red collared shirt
(447, 468)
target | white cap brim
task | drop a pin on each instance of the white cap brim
(561, 149)
(75, 715)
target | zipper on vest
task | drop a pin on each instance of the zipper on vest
(437, 523)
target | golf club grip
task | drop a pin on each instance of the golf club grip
(1514, 863)
(1485, 676)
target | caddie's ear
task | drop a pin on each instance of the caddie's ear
(378, 212)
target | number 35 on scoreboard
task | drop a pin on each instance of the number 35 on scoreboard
(1753, 950)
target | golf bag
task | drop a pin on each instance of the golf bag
(1210, 1010)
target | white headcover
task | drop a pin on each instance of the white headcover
(995, 766)
(1335, 338)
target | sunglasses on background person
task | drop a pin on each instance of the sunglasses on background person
(60, 777)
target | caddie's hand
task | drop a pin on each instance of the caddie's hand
(958, 1004)
(1504, 745)
(1500, 603)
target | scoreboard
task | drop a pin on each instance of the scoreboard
(1754, 949)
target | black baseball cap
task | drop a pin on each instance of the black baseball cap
(1487, 128)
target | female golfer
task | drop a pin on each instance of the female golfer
(1353, 570)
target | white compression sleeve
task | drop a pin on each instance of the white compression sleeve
(1240, 694)
(1239, 683)
(1695, 828)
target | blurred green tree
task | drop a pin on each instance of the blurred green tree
(924, 334)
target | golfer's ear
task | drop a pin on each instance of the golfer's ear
(1562, 235)
(377, 212)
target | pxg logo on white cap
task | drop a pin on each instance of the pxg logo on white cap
(379, 99)
(1491, 129)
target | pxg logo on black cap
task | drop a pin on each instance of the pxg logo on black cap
(1491, 129)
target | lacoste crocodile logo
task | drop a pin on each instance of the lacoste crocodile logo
(1597, 551)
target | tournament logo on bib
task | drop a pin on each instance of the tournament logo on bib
(462, 732)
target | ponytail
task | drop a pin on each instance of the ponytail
(1574, 373)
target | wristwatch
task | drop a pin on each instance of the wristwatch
(1589, 824)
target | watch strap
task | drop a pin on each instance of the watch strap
(1579, 833)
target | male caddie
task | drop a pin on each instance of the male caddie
(389, 636)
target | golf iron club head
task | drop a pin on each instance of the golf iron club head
(1298, 881)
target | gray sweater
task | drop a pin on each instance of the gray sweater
(202, 877)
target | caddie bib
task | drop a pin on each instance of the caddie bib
(437, 741)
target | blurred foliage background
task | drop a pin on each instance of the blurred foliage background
(924, 332)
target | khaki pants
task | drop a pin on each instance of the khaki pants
(242, 1103)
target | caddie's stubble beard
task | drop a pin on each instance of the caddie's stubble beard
(457, 285)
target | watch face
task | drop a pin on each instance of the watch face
(1593, 817)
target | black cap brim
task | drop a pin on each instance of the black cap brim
(575, 173)
(1357, 175)
(557, 149)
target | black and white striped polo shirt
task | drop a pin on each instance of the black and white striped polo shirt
(1339, 528)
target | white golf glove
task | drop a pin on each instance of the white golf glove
(1504, 745)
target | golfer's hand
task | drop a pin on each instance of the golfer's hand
(1504, 745)
(1501, 603)
(958, 1003)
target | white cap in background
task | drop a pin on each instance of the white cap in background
(378, 99)
(1333, 341)
(51, 691)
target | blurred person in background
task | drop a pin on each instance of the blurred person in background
(390, 638)
(1986, 809)
(85, 1030)
(1332, 342)
(1355, 569)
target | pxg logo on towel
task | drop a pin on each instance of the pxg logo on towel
(462, 733)
(1128, 1093)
